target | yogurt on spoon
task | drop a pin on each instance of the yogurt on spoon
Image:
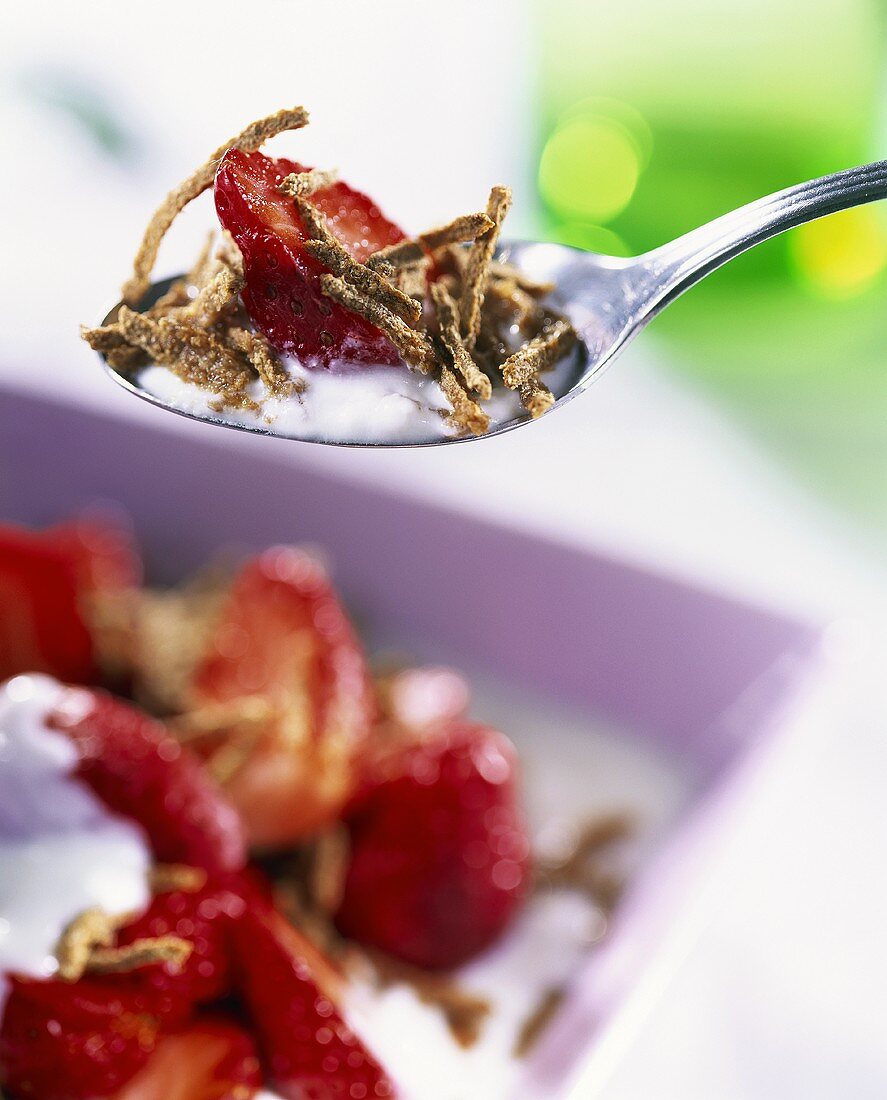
(352, 405)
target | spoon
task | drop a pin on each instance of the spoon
(609, 299)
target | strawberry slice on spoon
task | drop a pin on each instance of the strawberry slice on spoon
(282, 293)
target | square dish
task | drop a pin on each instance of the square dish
(616, 683)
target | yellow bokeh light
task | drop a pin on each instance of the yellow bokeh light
(589, 169)
(620, 112)
(592, 238)
(843, 254)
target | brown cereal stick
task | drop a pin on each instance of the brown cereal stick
(477, 268)
(109, 615)
(110, 342)
(268, 367)
(388, 271)
(411, 280)
(172, 631)
(464, 1012)
(538, 354)
(336, 259)
(448, 321)
(415, 347)
(452, 283)
(490, 351)
(215, 296)
(536, 397)
(178, 294)
(313, 924)
(219, 286)
(467, 227)
(88, 930)
(192, 353)
(521, 370)
(299, 185)
(454, 258)
(515, 299)
(538, 1020)
(467, 414)
(208, 722)
(594, 837)
(329, 867)
(232, 754)
(403, 254)
(580, 868)
(174, 298)
(249, 139)
(330, 251)
(166, 877)
(85, 947)
(158, 949)
(314, 221)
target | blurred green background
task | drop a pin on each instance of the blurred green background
(653, 118)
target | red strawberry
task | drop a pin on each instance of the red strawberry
(284, 637)
(204, 918)
(282, 293)
(212, 1059)
(308, 1051)
(440, 853)
(74, 1040)
(47, 580)
(138, 770)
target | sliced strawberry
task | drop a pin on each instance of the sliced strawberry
(282, 293)
(212, 1059)
(48, 582)
(283, 637)
(440, 853)
(203, 917)
(308, 1051)
(138, 770)
(74, 1040)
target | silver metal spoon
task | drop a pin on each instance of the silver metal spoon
(610, 299)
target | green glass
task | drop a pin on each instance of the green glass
(655, 117)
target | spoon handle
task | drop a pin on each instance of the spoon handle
(661, 275)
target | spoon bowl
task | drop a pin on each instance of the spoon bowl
(608, 299)
(559, 264)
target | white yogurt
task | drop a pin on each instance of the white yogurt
(61, 849)
(363, 405)
(360, 404)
